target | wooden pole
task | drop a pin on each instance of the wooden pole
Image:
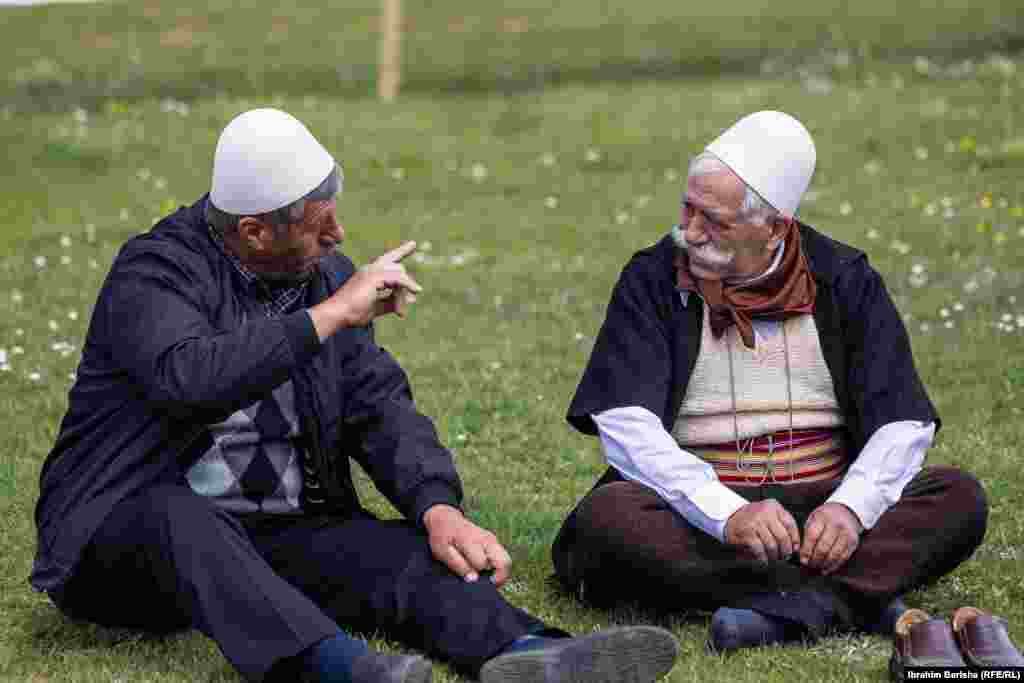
(389, 70)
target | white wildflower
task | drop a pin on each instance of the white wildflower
(579, 336)
(551, 202)
(39, 262)
(81, 116)
(426, 246)
(949, 214)
(160, 183)
(478, 172)
(53, 325)
(17, 297)
(846, 208)
(873, 167)
(72, 315)
(917, 269)
(593, 155)
(643, 200)
(1020, 321)
(621, 217)
(944, 312)
(958, 307)
(1012, 299)
(921, 153)
(125, 215)
(65, 259)
(19, 332)
(34, 376)
(917, 280)
(922, 65)
(971, 286)
(900, 247)
(947, 202)
(398, 173)
(1006, 318)
(17, 351)
(671, 175)
(873, 234)
(931, 209)
(548, 159)
(144, 174)
(72, 376)
(926, 328)
(949, 324)
(3, 356)
(93, 263)
(65, 241)
(495, 365)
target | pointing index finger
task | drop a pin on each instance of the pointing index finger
(396, 255)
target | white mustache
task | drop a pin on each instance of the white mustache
(707, 252)
(710, 255)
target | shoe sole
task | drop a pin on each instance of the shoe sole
(419, 671)
(629, 654)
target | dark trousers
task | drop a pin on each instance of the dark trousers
(624, 543)
(168, 559)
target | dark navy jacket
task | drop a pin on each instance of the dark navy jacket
(171, 348)
(648, 345)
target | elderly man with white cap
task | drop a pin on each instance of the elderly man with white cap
(201, 477)
(755, 395)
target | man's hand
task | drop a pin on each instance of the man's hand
(831, 535)
(376, 289)
(765, 529)
(463, 546)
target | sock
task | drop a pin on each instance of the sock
(527, 642)
(330, 660)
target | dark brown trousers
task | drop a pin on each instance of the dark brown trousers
(623, 543)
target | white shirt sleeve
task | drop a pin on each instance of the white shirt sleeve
(637, 445)
(890, 459)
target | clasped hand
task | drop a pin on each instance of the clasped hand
(768, 531)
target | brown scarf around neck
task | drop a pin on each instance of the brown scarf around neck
(787, 292)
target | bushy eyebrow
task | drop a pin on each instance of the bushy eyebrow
(715, 216)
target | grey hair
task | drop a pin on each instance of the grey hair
(754, 208)
(226, 223)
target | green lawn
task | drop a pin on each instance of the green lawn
(527, 201)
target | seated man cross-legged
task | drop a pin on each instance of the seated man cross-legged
(755, 394)
(200, 478)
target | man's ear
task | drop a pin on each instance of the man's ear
(255, 234)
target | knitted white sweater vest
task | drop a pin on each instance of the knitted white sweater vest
(762, 405)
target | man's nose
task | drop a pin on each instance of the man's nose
(694, 230)
(332, 227)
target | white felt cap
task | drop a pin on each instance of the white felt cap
(771, 152)
(266, 159)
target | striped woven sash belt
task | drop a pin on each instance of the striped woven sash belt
(811, 455)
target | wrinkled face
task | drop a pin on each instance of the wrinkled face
(293, 252)
(722, 245)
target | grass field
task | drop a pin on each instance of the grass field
(533, 152)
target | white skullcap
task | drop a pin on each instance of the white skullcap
(771, 152)
(266, 159)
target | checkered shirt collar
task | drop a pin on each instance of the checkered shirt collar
(278, 301)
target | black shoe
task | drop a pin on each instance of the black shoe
(627, 654)
(381, 668)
